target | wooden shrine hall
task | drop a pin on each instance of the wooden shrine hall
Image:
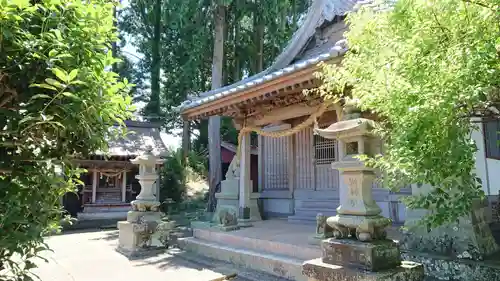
(110, 184)
(295, 179)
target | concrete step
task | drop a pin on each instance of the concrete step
(276, 265)
(290, 249)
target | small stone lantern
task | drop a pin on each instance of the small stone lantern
(144, 230)
(146, 200)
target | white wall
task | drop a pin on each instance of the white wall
(493, 167)
(487, 169)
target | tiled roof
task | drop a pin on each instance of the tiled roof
(139, 136)
(321, 11)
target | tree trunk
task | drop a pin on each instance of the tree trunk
(154, 102)
(258, 38)
(214, 142)
(114, 44)
(186, 141)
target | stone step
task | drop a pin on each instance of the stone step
(277, 265)
(291, 249)
(243, 273)
(314, 211)
(302, 219)
(308, 216)
(317, 204)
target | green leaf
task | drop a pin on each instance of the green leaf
(61, 74)
(20, 3)
(52, 53)
(41, 96)
(73, 74)
(69, 95)
(57, 32)
(45, 86)
(54, 82)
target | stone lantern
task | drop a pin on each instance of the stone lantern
(146, 200)
(144, 230)
(359, 250)
(358, 214)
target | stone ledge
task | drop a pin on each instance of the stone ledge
(443, 267)
(316, 270)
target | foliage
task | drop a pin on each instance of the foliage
(421, 67)
(175, 174)
(57, 101)
(187, 46)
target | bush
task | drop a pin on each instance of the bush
(57, 101)
(174, 176)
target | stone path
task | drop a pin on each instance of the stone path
(91, 256)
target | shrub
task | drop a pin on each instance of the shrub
(57, 101)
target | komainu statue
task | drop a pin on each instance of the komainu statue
(233, 172)
(228, 220)
(322, 228)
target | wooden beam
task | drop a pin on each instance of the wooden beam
(285, 113)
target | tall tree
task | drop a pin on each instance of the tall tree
(214, 140)
(143, 20)
(153, 107)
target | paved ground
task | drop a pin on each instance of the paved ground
(91, 256)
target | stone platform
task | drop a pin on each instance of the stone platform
(275, 247)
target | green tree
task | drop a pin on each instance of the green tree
(424, 68)
(58, 100)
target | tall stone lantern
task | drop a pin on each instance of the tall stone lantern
(359, 249)
(358, 214)
(143, 228)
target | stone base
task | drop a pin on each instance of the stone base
(317, 270)
(129, 240)
(202, 224)
(445, 268)
(244, 222)
(365, 228)
(135, 216)
(229, 227)
(228, 198)
(375, 256)
(316, 239)
(131, 233)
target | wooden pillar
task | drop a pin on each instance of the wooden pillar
(124, 187)
(291, 171)
(260, 161)
(94, 186)
(245, 189)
